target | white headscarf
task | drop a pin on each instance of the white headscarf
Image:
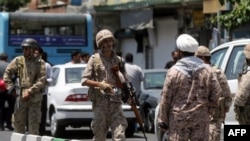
(187, 43)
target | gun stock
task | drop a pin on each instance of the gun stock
(133, 102)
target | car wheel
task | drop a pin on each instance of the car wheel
(161, 136)
(149, 123)
(55, 129)
(131, 128)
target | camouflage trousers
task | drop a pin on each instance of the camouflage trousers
(108, 114)
(27, 111)
(242, 115)
(183, 130)
(215, 130)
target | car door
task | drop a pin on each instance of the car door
(230, 59)
(55, 74)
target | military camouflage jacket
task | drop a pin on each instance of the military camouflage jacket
(190, 90)
(101, 71)
(226, 93)
(31, 73)
(242, 96)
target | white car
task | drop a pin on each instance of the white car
(230, 58)
(68, 102)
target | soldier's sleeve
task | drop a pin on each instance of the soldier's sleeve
(40, 80)
(166, 96)
(226, 93)
(243, 91)
(215, 90)
(87, 74)
(10, 73)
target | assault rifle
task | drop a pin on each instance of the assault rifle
(129, 96)
(128, 93)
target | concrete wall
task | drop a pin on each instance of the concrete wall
(161, 43)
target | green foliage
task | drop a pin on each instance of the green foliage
(236, 17)
(12, 5)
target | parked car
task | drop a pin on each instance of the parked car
(68, 102)
(230, 58)
(151, 88)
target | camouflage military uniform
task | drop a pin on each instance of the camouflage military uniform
(190, 92)
(242, 99)
(107, 109)
(225, 101)
(32, 79)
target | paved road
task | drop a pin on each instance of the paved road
(84, 135)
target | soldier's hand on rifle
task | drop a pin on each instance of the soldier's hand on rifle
(107, 88)
(26, 95)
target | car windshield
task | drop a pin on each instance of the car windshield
(154, 80)
(73, 75)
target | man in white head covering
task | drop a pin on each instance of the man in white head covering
(190, 92)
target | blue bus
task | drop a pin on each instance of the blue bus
(58, 34)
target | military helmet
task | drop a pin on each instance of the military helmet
(103, 34)
(202, 51)
(247, 51)
(29, 42)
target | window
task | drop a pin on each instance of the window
(154, 80)
(74, 75)
(48, 29)
(55, 73)
(218, 57)
(235, 63)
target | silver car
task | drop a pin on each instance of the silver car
(151, 87)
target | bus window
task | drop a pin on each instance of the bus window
(57, 33)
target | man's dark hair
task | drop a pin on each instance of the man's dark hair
(75, 53)
(187, 54)
(3, 56)
(40, 50)
(207, 58)
(119, 53)
(129, 58)
(85, 54)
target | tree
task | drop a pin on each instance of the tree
(12, 5)
(235, 18)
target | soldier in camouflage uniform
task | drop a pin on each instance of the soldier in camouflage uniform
(225, 100)
(107, 103)
(242, 97)
(30, 78)
(191, 90)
